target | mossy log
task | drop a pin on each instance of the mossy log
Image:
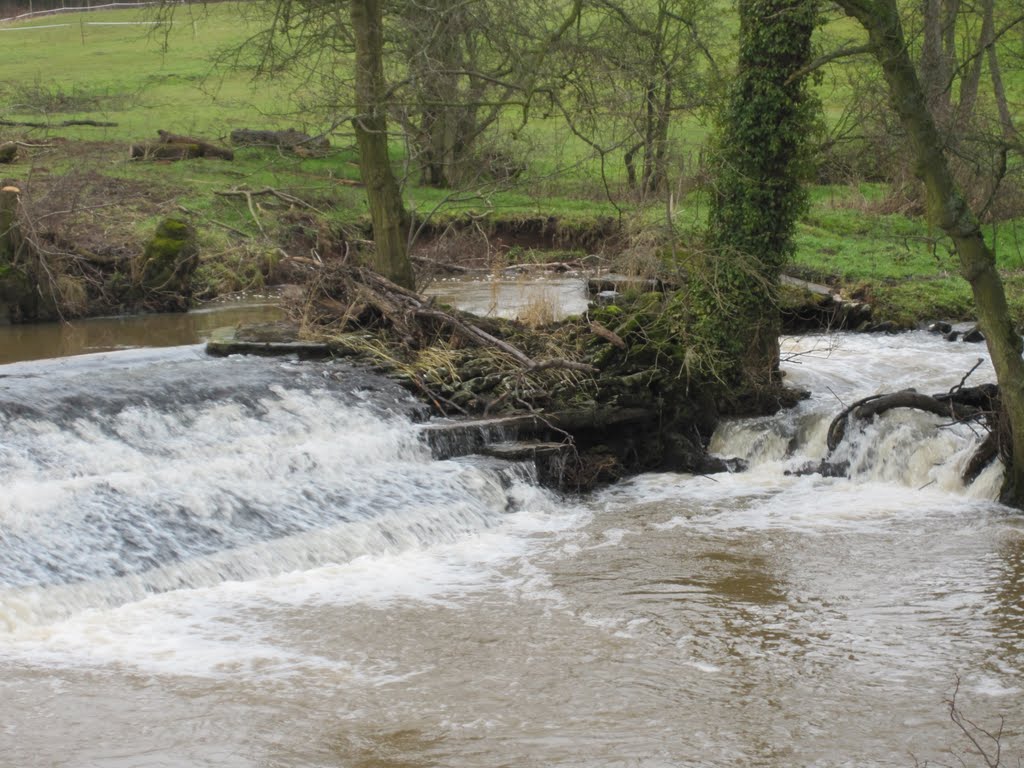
(8, 151)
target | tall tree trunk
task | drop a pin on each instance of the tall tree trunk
(650, 135)
(630, 160)
(996, 72)
(661, 145)
(971, 81)
(949, 210)
(935, 73)
(383, 196)
(759, 195)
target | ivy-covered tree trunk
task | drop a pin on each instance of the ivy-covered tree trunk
(383, 196)
(758, 197)
(949, 210)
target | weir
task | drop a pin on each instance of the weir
(187, 539)
(141, 472)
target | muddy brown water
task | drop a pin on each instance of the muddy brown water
(256, 563)
(48, 340)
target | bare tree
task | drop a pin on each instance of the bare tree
(623, 98)
(950, 211)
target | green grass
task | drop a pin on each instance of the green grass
(145, 86)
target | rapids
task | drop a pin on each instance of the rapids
(248, 562)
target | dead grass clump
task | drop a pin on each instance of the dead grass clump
(72, 295)
(540, 311)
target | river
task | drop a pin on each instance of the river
(257, 563)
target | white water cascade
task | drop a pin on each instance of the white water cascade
(157, 473)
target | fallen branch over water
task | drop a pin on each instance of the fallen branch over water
(961, 405)
(388, 293)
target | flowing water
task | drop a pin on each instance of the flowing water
(526, 297)
(257, 563)
(99, 334)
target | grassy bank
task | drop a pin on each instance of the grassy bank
(89, 196)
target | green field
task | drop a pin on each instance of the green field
(146, 77)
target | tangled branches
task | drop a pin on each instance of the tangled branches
(462, 363)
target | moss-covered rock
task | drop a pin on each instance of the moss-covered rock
(163, 273)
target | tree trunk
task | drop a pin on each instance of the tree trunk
(949, 210)
(996, 72)
(383, 196)
(8, 224)
(759, 195)
(971, 81)
(934, 69)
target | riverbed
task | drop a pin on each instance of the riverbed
(258, 563)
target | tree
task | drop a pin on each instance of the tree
(433, 67)
(463, 68)
(383, 196)
(759, 161)
(949, 210)
(623, 98)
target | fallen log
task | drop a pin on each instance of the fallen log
(206, 148)
(154, 150)
(62, 124)
(960, 404)
(289, 139)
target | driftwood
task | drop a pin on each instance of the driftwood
(444, 266)
(63, 124)
(394, 300)
(608, 335)
(288, 139)
(960, 404)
